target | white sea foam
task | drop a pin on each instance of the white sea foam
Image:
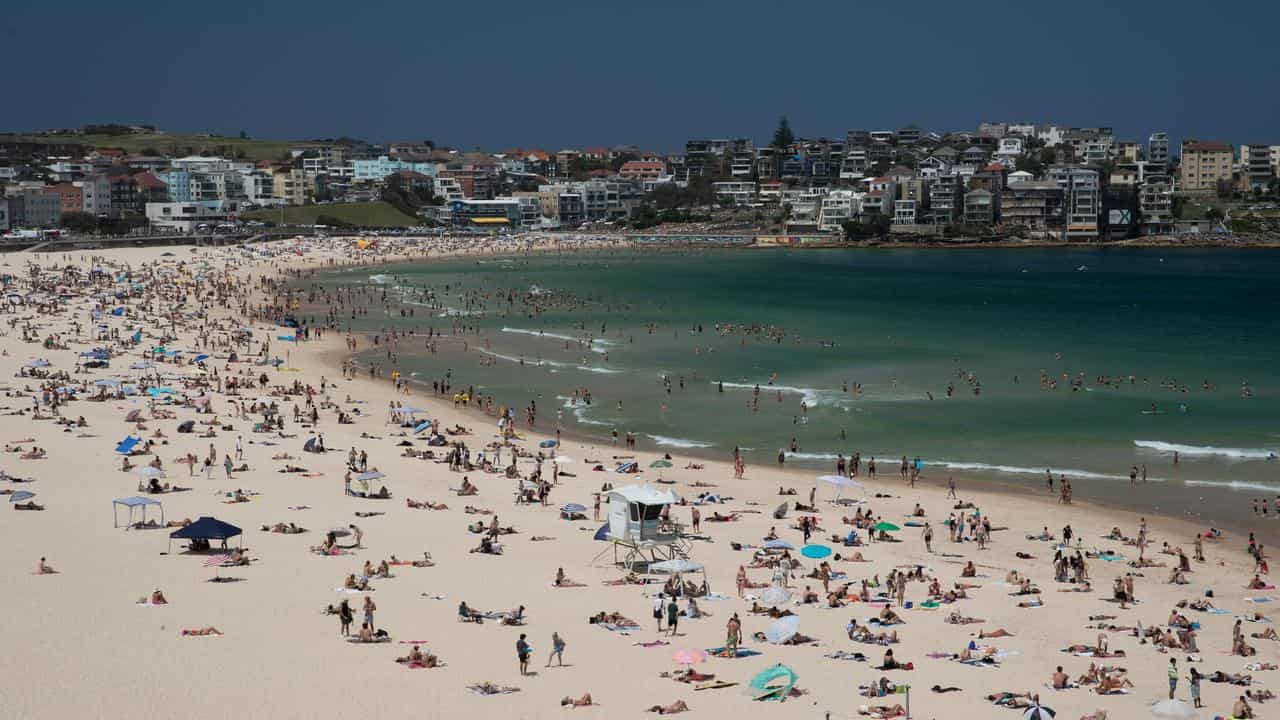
(527, 361)
(598, 345)
(1205, 450)
(678, 442)
(602, 370)
(579, 410)
(1030, 471)
(380, 279)
(1236, 485)
(811, 456)
(811, 396)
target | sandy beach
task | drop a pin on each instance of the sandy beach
(278, 654)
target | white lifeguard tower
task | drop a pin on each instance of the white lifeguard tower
(635, 526)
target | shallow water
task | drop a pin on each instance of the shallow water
(904, 324)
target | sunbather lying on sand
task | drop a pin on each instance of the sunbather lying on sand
(211, 630)
(584, 701)
(678, 706)
(417, 658)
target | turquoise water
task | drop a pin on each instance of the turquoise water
(1194, 328)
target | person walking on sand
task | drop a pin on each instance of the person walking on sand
(951, 489)
(1195, 687)
(557, 650)
(658, 607)
(369, 607)
(673, 615)
(1173, 676)
(733, 635)
(928, 538)
(523, 650)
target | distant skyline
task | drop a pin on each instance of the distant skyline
(501, 74)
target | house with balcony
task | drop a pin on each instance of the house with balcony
(946, 198)
(1155, 203)
(838, 207)
(1008, 151)
(905, 212)
(981, 207)
(1034, 204)
(735, 192)
(1204, 165)
(1082, 200)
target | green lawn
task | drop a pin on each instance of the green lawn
(175, 144)
(367, 214)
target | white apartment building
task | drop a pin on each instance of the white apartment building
(838, 207)
(736, 192)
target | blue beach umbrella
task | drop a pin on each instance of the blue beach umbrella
(20, 496)
(573, 508)
(815, 552)
(779, 545)
(547, 444)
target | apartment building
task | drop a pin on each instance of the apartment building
(906, 212)
(35, 209)
(95, 195)
(838, 207)
(1082, 200)
(499, 213)
(292, 185)
(1256, 161)
(642, 170)
(4, 213)
(1155, 203)
(1035, 204)
(981, 207)
(72, 196)
(735, 192)
(1204, 164)
(946, 198)
(186, 217)
(1158, 153)
(377, 169)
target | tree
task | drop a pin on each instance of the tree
(1029, 163)
(783, 137)
(79, 222)
(1213, 214)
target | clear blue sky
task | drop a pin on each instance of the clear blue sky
(572, 73)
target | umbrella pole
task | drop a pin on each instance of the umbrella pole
(908, 702)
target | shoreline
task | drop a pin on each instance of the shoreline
(277, 637)
(1134, 506)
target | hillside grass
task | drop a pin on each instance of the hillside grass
(178, 144)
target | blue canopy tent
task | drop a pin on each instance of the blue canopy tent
(134, 502)
(206, 529)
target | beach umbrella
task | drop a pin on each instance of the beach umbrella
(838, 480)
(774, 596)
(340, 531)
(548, 444)
(562, 459)
(1038, 712)
(106, 382)
(887, 527)
(371, 475)
(689, 656)
(215, 562)
(1174, 710)
(38, 363)
(147, 471)
(815, 552)
(660, 464)
(20, 496)
(573, 508)
(779, 545)
(782, 629)
(676, 566)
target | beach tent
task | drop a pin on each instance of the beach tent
(775, 596)
(206, 528)
(1039, 712)
(602, 533)
(126, 446)
(678, 566)
(312, 445)
(841, 484)
(421, 426)
(131, 503)
(774, 683)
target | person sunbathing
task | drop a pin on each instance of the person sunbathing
(197, 632)
(956, 618)
(1259, 695)
(717, 517)
(1241, 648)
(1233, 678)
(467, 488)
(757, 609)
(678, 706)
(158, 598)
(889, 617)
(1257, 584)
(997, 633)
(882, 711)
(351, 583)
(1268, 634)
(34, 453)
(43, 568)
(584, 701)
(563, 580)
(28, 505)
(472, 510)
(1112, 682)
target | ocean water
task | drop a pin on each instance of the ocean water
(1085, 362)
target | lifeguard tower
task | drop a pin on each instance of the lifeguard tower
(635, 531)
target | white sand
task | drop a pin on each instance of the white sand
(77, 645)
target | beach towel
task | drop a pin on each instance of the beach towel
(375, 641)
(718, 684)
(723, 652)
